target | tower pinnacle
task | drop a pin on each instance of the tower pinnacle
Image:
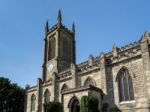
(73, 28)
(59, 18)
(47, 26)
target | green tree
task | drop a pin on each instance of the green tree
(11, 96)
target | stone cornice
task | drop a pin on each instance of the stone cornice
(47, 83)
(31, 89)
(84, 88)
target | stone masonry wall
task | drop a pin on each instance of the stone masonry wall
(135, 67)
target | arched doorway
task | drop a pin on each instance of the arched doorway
(74, 105)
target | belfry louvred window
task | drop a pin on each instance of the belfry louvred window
(51, 51)
(125, 85)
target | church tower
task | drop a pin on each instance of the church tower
(59, 48)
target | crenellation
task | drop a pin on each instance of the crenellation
(88, 68)
(129, 46)
(68, 30)
(52, 29)
(82, 65)
(127, 51)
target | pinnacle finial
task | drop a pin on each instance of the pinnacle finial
(73, 28)
(59, 18)
(115, 51)
(47, 26)
(146, 34)
(114, 46)
(102, 55)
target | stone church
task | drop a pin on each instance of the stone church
(120, 79)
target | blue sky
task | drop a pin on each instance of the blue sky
(99, 25)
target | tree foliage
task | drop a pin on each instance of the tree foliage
(53, 107)
(89, 104)
(11, 96)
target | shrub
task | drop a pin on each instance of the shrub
(84, 104)
(89, 104)
(53, 107)
(93, 104)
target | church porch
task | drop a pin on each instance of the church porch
(71, 97)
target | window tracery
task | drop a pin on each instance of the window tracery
(125, 85)
(52, 46)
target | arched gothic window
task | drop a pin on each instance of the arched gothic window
(33, 100)
(47, 96)
(52, 46)
(125, 85)
(89, 81)
(64, 88)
